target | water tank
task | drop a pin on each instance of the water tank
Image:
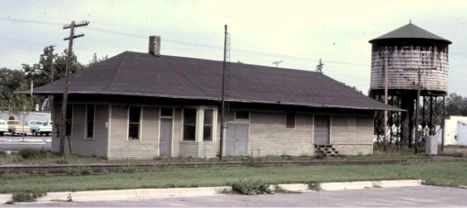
(407, 49)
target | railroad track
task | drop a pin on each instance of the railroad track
(65, 169)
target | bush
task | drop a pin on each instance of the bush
(33, 154)
(27, 196)
(250, 187)
(313, 185)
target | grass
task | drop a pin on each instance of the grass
(34, 157)
(41, 157)
(445, 173)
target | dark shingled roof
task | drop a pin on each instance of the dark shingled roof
(410, 31)
(140, 74)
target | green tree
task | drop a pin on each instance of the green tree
(10, 81)
(96, 60)
(456, 105)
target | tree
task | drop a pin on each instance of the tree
(39, 73)
(10, 81)
(456, 105)
(96, 60)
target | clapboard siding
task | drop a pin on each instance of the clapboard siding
(352, 134)
(177, 131)
(270, 136)
(188, 149)
(120, 147)
(150, 125)
(78, 143)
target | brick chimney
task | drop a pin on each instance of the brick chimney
(155, 45)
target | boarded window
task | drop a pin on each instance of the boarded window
(90, 109)
(68, 120)
(189, 124)
(134, 122)
(244, 115)
(207, 127)
(290, 119)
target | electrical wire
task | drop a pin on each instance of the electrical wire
(108, 31)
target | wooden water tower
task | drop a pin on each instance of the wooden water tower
(417, 63)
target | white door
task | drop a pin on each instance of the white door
(165, 146)
(237, 139)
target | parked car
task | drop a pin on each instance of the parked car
(40, 127)
(3, 127)
(17, 127)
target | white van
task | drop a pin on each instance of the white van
(3, 127)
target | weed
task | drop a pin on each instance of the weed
(128, 169)
(79, 171)
(33, 154)
(250, 187)
(313, 185)
(27, 196)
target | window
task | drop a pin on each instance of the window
(189, 124)
(290, 119)
(242, 115)
(207, 127)
(134, 121)
(68, 120)
(166, 112)
(90, 109)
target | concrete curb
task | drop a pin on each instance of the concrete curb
(136, 194)
(339, 186)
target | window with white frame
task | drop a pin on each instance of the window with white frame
(189, 124)
(134, 121)
(90, 110)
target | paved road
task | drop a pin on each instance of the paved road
(15, 143)
(421, 196)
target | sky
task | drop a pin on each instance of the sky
(297, 33)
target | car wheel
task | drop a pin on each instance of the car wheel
(47, 134)
(1, 133)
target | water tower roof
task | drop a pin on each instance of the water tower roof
(410, 31)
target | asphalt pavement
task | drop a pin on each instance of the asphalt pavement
(16, 143)
(417, 196)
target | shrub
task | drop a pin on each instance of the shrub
(82, 171)
(27, 196)
(313, 185)
(250, 187)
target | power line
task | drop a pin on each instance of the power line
(265, 54)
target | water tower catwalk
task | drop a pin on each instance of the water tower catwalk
(412, 64)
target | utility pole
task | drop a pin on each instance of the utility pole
(419, 88)
(319, 67)
(67, 80)
(385, 138)
(276, 63)
(224, 66)
(50, 58)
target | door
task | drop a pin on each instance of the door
(165, 146)
(237, 139)
(322, 130)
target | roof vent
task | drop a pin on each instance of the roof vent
(155, 45)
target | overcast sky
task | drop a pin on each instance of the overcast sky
(299, 33)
